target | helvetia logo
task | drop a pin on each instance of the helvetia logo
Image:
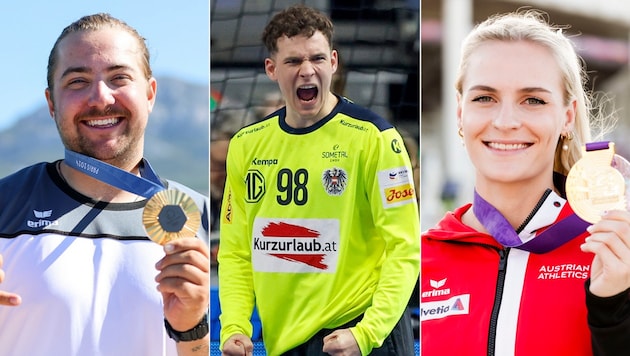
(456, 305)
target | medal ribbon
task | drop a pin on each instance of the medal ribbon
(552, 237)
(147, 185)
(594, 146)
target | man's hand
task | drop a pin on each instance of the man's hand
(7, 298)
(184, 281)
(341, 343)
(238, 345)
(610, 242)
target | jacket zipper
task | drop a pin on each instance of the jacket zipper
(492, 333)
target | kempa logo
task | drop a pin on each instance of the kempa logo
(41, 219)
(436, 285)
(264, 162)
(395, 144)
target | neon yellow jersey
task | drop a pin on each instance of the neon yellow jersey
(318, 226)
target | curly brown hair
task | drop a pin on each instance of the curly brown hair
(296, 20)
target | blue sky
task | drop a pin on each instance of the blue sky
(176, 33)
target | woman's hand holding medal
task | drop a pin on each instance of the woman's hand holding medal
(610, 242)
(597, 191)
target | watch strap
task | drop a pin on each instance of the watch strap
(199, 331)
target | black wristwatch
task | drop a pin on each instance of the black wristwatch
(198, 332)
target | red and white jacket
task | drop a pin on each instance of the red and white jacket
(479, 298)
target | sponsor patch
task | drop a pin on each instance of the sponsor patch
(396, 187)
(396, 146)
(456, 305)
(336, 154)
(255, 186)
(227, 216)
(295, 245)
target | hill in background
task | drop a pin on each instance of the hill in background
(176, 140)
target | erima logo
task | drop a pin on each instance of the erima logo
(41, 219)
(436, 285)
(42, 214)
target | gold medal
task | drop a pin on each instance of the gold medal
(593, 186)
(170, 214)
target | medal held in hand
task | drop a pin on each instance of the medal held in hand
(170, 214)
(597, 182)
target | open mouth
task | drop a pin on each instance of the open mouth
(307, 93)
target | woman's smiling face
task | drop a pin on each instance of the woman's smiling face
(512, 111)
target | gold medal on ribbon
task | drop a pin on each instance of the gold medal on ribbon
(595, 184)
(170, 214)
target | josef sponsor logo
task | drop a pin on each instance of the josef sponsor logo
(399, 194)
